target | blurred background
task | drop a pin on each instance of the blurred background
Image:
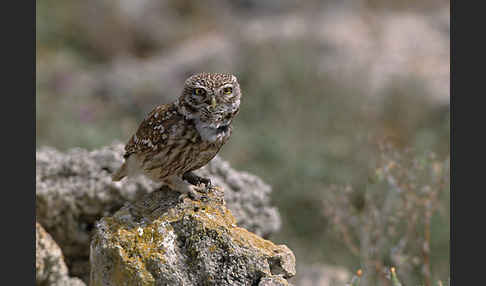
(345, 112)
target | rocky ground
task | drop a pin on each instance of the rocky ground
(74, 191)
(161, 240)
(50, 268)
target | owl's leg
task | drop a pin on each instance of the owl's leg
(184, 187)
(196, 180)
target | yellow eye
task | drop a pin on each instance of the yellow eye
(227, 90)
(199, 91)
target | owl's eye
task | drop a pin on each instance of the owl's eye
(199, 91)
(227, 90)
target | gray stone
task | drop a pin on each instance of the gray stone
(274, 280)
(163, 240)
(50, 268)
(74, 189)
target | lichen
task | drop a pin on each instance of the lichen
(190, 240)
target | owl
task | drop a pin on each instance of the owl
(178, 138)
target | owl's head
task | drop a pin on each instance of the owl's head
(213, 99)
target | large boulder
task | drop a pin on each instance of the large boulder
(163, 240)
(50, 268)
(74, 189)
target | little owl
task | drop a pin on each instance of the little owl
(177, 138)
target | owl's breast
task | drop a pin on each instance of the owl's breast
(215, 135)
(208, 143)
(200, 154)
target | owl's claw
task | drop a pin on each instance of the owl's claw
(206, 182)
(197, 181)
(193, 195)
(203, 188)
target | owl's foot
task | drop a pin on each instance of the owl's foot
(197, 181)
(193, 195)
(185, 188)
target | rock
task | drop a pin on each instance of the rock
(74, 189)
(50, 268)
(163, 240)
(274, 280)
(246, 195)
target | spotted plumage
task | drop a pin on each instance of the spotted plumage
(177, 138)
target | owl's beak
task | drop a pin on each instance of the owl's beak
(213, 102)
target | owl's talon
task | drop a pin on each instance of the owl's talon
(208, 184)
(196, 180)
(194, 195)
(205, 189)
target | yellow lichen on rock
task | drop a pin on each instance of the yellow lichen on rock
(161, 240)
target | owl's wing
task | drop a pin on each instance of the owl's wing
(154, 130)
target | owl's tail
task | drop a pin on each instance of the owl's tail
(121, 173)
